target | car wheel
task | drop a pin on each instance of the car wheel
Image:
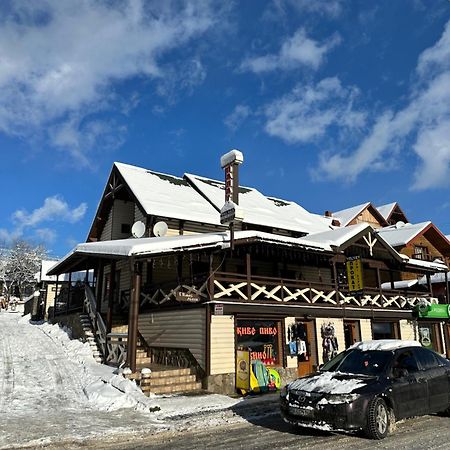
(378, 419)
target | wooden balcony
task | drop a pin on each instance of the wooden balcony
(256, 289)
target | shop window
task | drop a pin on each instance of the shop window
(385, 330)
(263, 337)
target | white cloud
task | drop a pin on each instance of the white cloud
(61, 57)
(424, 119)
(45, 235)
(54, 209)
(297, 51)
(306, 113)
(234, 120)
(329, 8)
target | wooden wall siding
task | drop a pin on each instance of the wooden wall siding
(408, 330)
(409, 251)
(338, 326)
(180, 329)
(365, 325)
(138, 214)
(291, 361)
(222, 345)
(107, 229)
(366, 217)
(123, 214)
(370, 277)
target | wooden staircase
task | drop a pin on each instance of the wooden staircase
(162, 379)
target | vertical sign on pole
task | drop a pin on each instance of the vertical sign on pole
(231, 213)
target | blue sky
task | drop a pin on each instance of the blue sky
(333, 103)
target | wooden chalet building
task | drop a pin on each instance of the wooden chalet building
(423, 242)
(189, 299)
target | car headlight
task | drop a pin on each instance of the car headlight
(338, 399)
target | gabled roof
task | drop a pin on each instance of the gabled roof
(345, 216)
(399, 236)
(388, 210)
(166, 195)
(340, 238)
(261, 210)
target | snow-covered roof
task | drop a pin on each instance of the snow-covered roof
(345, 216)
(337, 237)
(46, 264)
(435, 265)
(169, 244)
(400, 235)
(384, 344)
(167, 196)
(386, 210)
(262, 210)
(401, 284)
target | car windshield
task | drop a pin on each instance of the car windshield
(370, 363)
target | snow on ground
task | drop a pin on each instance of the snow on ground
(52, 390)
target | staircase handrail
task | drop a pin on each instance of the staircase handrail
(96, 320)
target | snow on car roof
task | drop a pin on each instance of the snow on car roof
(384, 344)
(327, 383)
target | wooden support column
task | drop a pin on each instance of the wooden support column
(69, 292)
(134, 314)
(248, 264)
(336, 282)
(99, 285)
(446, 289)
(430, 286)
(391, 277)
(111, 295)
(56, 296)
(211, 277)
(379, 281)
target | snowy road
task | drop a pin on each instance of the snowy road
(52, 392)
(42, 396)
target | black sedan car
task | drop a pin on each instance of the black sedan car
(370, 386)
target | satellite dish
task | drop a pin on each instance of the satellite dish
(160, 229)
(138, 229)
(400, 224)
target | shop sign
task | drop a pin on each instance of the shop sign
(218, 309)
(187, 297)
(354, 274)
(231, 213)
(433, 311)
(261, 337)
(243, 369)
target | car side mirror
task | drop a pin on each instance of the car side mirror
(400, 372)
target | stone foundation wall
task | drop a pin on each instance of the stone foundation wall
(225, 383)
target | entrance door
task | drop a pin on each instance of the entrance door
(305, 344)
(352, 332)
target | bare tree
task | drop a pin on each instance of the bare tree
(18, 266)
